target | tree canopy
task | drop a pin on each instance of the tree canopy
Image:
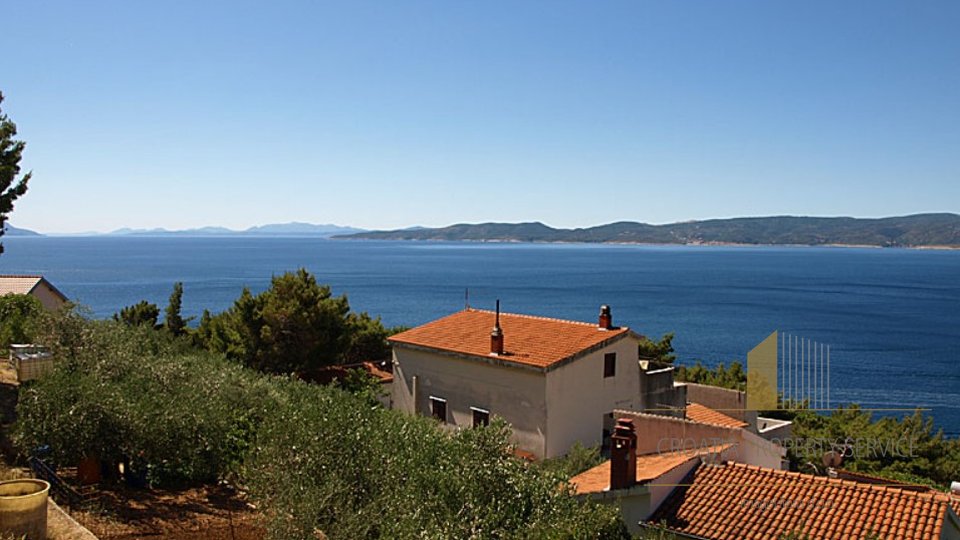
(21, 316)
(12, 185)
(296, 325)
(174, 321)
(734, 377)
(906, 449)
(658, 351)
(141, 313)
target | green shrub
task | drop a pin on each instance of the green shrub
(577, 460)
(21, 317)
(326, 460)
(129, 395)
(734, 377)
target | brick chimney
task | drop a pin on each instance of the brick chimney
(606, 319)
(496, 335)
(623, 455)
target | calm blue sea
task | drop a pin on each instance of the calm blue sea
(891, 316)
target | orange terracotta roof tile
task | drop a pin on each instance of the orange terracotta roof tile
(706, 415)
(377, 370)
(735, 501)
(649, 467)
(528, 340)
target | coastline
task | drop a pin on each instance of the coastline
(650, 244)
(935, 247)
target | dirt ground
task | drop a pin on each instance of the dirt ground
(119, 512)
(211, 512)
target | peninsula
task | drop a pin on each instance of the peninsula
(917, 231)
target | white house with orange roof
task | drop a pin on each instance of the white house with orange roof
(34, 285)
(554, 381)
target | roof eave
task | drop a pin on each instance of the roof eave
(494, 360)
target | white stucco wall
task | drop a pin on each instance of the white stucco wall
(515, 394)
(578, 396)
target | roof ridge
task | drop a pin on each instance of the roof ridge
(836, 481)
(39, 276)
(542, 318)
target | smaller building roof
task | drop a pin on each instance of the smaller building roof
(735, 501)
(706, 415)
(538, 342)
(25, 284)
(649, 468)
(327, 375)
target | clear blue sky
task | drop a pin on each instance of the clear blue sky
(397, 113)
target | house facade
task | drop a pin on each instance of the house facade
(34, 285)
(554, 381)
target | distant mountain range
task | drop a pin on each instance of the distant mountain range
(10, 230)
(920, 230)
(276, 229)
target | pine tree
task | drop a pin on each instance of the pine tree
(10, 153)
(141, 313)
(174, 323)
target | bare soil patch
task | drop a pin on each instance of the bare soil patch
(214, 512)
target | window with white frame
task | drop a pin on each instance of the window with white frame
(438, 408)
(481, 417)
